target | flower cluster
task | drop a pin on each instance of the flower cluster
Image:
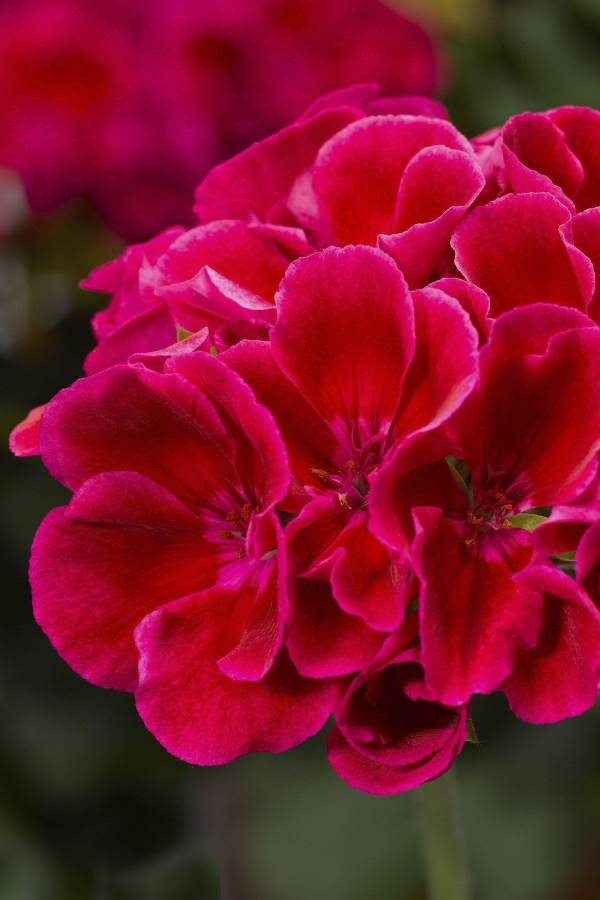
(130, 104)
(337, 448)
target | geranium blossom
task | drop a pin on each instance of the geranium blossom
(172, 530)
(341, 175)
(382, 496)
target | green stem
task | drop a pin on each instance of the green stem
(446, 871)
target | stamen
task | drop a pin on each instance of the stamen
(246, 511)
(321, 474)
(343, 498)
(240, 553)
(232, 516)
(228, 535)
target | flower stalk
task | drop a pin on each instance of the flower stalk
(446, 872)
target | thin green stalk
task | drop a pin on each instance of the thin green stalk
(446, 873)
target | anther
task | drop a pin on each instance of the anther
(343, 498)
(321, 474)
(240, 553)
(246, 511)
(228, 535)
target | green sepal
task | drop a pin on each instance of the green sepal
(213, 351)
(411, 607)
(471, 733)
(182, 334)
(459, 479)
(567, 556)
(528, 521)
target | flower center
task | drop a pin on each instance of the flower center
(489, 513)
(238, 526)
(352, 485)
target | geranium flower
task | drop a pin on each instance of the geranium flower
(165, 575)
(524, 450)
(348, 379)
(390, 734)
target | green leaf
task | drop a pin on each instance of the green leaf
(459, 479)
(182, 334)
(526, 520)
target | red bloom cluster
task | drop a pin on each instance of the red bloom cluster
(130, 104)
(337, 450)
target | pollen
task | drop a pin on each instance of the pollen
(343, 498)
(321, 474)
(350, 464)
(240, 553)
(228, 535)
(247, 510)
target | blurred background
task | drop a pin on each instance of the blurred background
(110, 113)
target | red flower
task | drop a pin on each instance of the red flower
(171, 543)
(129, 105)
(391, 734)
(347, 382)
(524, 450)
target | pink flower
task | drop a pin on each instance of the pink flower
(282, 199)
(166, 573)
(538, 238)
(482, 610)
(391, 734)
(130, 107)
(137, 319)
(348, 382)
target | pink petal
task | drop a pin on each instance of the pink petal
(514, 250)
(521, 421)
(123, 547)
(200, 714)
(261, 458)
(586, 237)
(375, 778)
(475, 618)
(559, 676)
(473, 300)
(358, 172)
(581, 127)
(130, 418)
(24, 438)
(537, 158)
(348, 362)
(323, 641)
(156, 359)
(445, 365)
(150, 330)
(309, 442)
(437, 188)
(254, 180)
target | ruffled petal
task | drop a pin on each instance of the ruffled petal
(123, 547)
(346, 357)
(203, 716)
(559, 676)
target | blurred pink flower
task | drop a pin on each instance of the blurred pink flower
(130, 105)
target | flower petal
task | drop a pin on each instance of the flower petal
(123, 547)
(203, 716)
(346, 357)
